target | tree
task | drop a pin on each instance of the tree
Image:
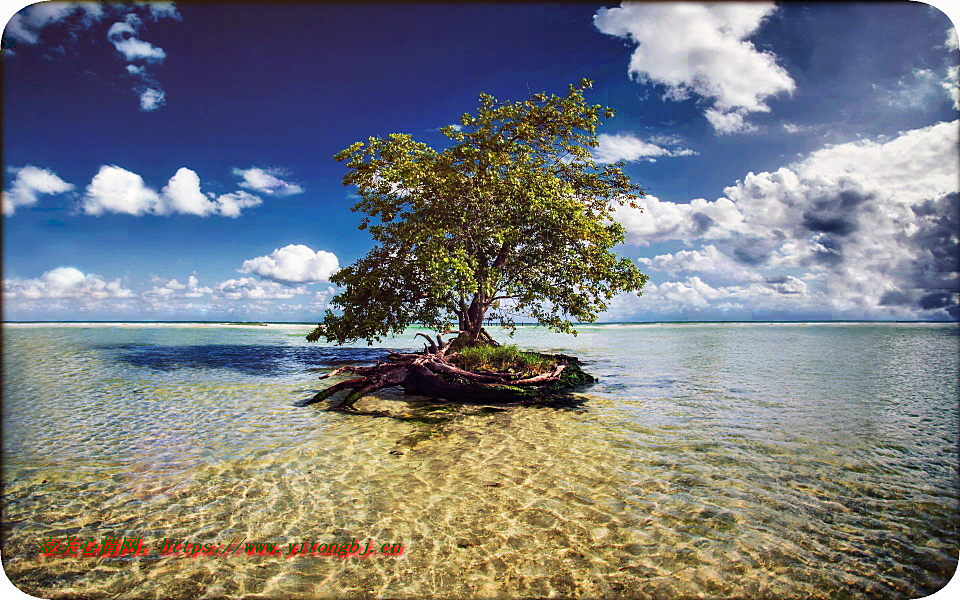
(513, 218)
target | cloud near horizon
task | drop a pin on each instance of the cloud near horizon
(68, 292)
(65, 282)
(866, 229)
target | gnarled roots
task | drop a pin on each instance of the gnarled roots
(433, 374)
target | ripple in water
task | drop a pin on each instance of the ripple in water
(723, 461)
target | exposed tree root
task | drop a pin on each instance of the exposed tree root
(432, 374)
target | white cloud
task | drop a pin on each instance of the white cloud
(913, 91)
(702, 49)
(135, 49)
(695, 298)
(152, 99)
(231, 204)
(628, 147)
(168, 290)
(866, 229)
(160, 10)
(951, 42)
(951, 84)
(660, 220)
(251, 289)
(266, 181)
(64, 282)
(291, 264)
(65, 292)
(182, 195)
(25, 26)
(730, 121)
(123, 35)
(116, 190)
(29, 182)
(707, 260)
(194, 289)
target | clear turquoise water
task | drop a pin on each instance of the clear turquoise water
(779, 461)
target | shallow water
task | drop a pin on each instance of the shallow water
(778, 461)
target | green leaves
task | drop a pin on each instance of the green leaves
(511, 221)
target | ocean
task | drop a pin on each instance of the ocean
(793, 460)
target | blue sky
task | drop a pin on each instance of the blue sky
(174, 161)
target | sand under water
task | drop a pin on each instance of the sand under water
(777, 461)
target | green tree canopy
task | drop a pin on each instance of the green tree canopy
(513, 219)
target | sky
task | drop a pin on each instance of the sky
(168, 161)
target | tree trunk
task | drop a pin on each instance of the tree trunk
(472, 332)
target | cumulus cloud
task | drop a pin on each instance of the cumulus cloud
(267, 181)
(292, 264)
(658, 221)
(182, 195)
(696, 299)
(628, 147)
(64, 282)
(66, 292)
(708, 260)
(703, 50)
(171, 291)
(167, 290)
(29, 183)
(116, 190)
(866, 229)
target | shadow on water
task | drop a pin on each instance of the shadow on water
(571, 400)
(248, 359)
(433, 419)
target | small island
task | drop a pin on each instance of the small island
(512, 219)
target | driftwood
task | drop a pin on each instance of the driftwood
(433, 373)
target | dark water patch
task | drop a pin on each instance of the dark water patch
(248, 359)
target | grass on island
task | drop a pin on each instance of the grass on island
(503, 359)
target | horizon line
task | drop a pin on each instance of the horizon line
(225, 322)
